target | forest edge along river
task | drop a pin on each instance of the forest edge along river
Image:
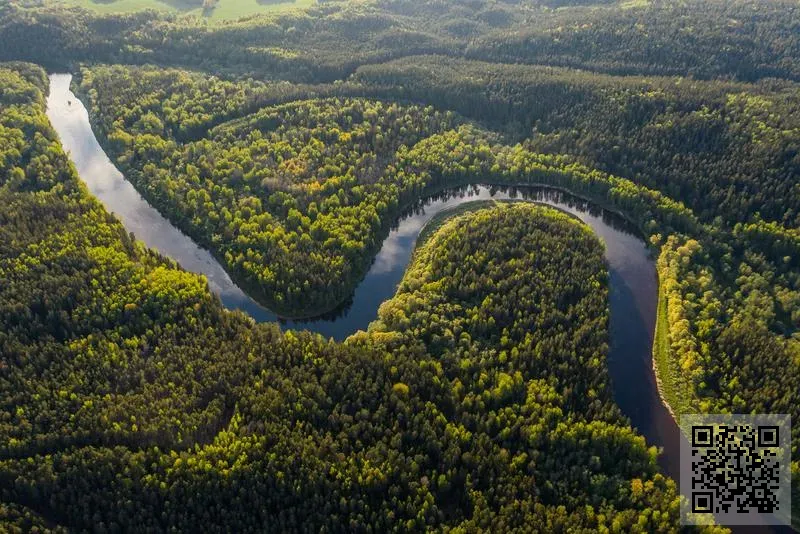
(633, 280)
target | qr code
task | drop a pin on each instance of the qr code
(735, 469)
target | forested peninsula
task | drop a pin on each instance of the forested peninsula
(288, 144)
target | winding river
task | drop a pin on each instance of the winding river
(633, 281)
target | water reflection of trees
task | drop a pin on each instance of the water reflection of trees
(552, 196)
(558, 198)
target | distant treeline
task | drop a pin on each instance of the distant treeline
(741, 39)
(298, 173)
(130, 399)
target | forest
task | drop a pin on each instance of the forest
(288, 144)
(455, 410)
(746, 40)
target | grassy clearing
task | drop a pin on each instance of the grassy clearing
(630, 4)
(224, 10)
(672, 388)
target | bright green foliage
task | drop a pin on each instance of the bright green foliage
(97, 332)
(108, 351)
(724, 149)
(552, 318)
(720, 263)
(510, 303)
(739, 39)
(131, 399)
(293, 198)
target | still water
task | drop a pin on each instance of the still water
(633, 282)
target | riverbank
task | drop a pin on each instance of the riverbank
(633, 281)
(672, 395)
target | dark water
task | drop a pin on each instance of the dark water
(633, 288)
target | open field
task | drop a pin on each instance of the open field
(224, 10)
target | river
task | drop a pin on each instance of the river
(633, 281)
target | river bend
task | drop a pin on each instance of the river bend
(633, 281)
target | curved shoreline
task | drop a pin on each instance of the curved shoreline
(660, 375)
(633, 279)
(361, 269)
(446, 215)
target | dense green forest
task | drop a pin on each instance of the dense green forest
(131, 397)
(741, 39)
(293, 197)
(725, 149)
(288, 144)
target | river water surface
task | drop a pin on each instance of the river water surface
(633, 281)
